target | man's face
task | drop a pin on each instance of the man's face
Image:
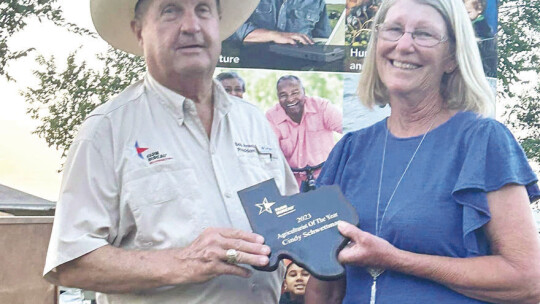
(179, 38)
(291, 97)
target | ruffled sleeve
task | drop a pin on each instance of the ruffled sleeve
(492, 158)
(335, 163)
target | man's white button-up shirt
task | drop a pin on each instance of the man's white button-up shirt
(142, 174)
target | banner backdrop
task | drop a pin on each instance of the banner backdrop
(329, 68)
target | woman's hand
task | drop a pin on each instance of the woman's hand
(365, 249)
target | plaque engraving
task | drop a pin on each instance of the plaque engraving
(301, 227)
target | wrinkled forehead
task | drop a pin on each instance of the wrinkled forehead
(142, 5)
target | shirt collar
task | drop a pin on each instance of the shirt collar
(179, 105)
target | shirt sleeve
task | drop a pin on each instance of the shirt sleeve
(333, 119)
(87, 211)
(493, 159)
(335, 164)
(240, 34)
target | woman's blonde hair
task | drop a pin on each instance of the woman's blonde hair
(466, 88)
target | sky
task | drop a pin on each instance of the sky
(26, 162)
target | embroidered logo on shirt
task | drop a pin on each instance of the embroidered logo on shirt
(152, 157)
(139, 150)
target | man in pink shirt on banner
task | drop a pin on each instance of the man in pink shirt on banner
(304, 125)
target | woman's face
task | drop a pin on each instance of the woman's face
(296, 280)
(404, 66)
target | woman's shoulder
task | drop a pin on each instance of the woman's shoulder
(374, 129)
(471, 125)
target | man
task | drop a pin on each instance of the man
(232, 83)
(286, 22)
(148, 211)
(304, 125)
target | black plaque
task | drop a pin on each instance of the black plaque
(301, 227)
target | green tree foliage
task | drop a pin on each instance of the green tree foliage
(519, 51)
(14, 17)
(518, 42)
(63, 98)
(524, 116)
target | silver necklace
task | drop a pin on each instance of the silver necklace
(376, 272)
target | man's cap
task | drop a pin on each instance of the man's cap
(112, 19)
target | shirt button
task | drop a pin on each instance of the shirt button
(228, 195)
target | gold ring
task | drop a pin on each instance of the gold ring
(232, 256)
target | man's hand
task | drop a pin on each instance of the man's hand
(292, 38)
(263, 35)
(110, 269)
(206, 255)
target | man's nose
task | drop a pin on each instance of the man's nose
(190, 23)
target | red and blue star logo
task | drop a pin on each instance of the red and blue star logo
(140, 150)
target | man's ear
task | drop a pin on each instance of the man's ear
(136, 28)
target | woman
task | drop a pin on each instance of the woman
(294, 286)
(442, 192)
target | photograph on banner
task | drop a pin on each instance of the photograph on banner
(359, 17)
(483, 15)
(303, 108)
(290, 35)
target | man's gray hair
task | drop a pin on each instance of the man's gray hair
(289, 77)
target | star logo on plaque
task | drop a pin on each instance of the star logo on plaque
(265, 206)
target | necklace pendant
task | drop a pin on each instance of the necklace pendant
(374, 273)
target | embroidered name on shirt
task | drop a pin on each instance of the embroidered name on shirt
(152, 157)
(156, 156)
(254, 148)
(247, 148)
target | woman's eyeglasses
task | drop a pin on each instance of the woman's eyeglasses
(423, 38)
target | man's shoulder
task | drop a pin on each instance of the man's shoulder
(318, 101)
(96, 122)
(128, 95)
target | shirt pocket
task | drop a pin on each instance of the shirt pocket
(164, 201)
(260, 166)
(315, 124)
(304, 20)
